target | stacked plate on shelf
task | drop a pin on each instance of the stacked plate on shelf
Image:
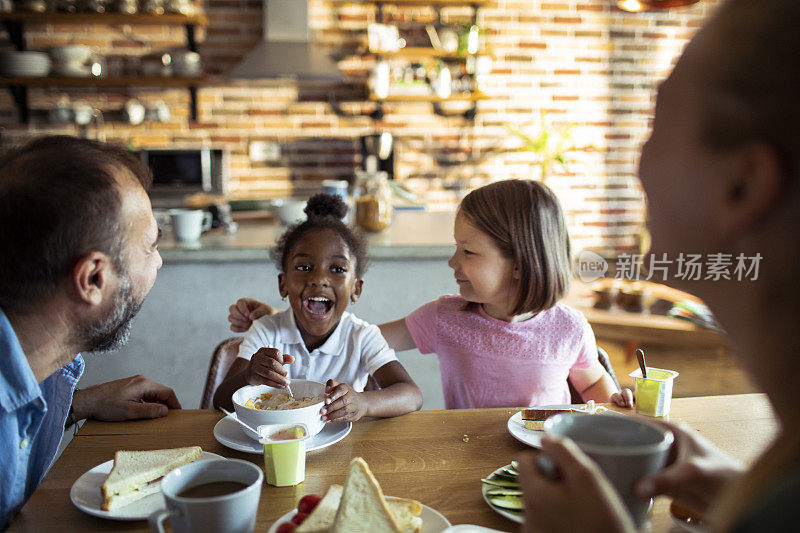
(24, 64)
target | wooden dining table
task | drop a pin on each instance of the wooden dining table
(436, 457)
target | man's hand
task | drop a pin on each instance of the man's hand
(581, 499)
(124, 399)
(242, 314)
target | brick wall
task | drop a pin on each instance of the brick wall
(583, 62)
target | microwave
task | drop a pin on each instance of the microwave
(181, 172)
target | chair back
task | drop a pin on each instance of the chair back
(221, 360)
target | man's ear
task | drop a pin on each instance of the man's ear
(357, 287)
(752, 191)
(91, 277)
(282, 285)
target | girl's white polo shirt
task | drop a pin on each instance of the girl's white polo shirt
(354, 350)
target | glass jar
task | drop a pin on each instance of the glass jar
(373, 201)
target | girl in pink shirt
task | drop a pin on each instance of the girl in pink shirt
(506, 340)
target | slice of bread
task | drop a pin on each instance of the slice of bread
(406, 513)
(132, 476)
(534, 418)
(363, 508)
(321, 518)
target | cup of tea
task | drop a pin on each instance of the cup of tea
(188, 224)
(625, 448)
(653, 393)
(284, 453)
(214, 495)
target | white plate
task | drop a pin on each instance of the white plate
(514, 516)
(230, 434)
(85, 494)
(432, 521)
(532, 437)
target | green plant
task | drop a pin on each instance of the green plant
(550, 144)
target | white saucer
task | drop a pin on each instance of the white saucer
(532, 437)
(432, 521)
(85, 494)
(230, 434)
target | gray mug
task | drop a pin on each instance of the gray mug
(232, 513)
(626, 449)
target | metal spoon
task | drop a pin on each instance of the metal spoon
(640, 357)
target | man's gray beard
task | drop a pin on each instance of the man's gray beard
(112, 332)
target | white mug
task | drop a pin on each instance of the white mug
(625, 448)
(232, 513)
(188, 224)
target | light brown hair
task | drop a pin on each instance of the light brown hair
(525, 220)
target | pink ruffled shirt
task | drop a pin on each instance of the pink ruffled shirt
(487, 362)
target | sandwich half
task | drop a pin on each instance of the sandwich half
(405, 512)
(534, 418)
(136, 474)
(363, 508)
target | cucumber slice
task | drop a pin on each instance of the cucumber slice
(510, 471)
(503, 491)
(500, 474)
(499, 482)
(507, 502)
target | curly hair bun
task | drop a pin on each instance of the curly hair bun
(326, 205)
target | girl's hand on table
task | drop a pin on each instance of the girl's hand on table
(266, 367)
(246, 310)
(623, 398)
(697, 471)
(343, 403)
(581, 499)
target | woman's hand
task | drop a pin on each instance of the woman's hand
(581, 499)
(266, 367)
(696, 474)
(623, 398)
(343, 403)
(242, 314)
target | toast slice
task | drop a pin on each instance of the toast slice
(321, 518)
(534, 418)
(363, 508)
(135, 474)
(405, 512)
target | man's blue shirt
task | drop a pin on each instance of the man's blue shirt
(32, 417)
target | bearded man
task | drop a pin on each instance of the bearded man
(78, 255)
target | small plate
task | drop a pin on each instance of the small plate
(230, 434)
(85, 494)
(532, 437)
(514, 516)
(432, 521)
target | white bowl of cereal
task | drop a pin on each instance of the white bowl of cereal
(256, 405)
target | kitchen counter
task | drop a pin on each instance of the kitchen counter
(412, 235)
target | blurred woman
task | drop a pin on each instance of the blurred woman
(721, 174)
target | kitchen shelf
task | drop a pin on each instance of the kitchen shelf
(439, 3)
(18, 85)
(124, 81)
(108, 19)
(466, 97)
(423, 52)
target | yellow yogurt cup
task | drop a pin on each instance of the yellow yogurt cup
(284, 453)
(653, 393)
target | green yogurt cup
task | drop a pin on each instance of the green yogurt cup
(653, 393)
(284, 453)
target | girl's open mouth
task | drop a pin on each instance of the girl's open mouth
(318, 305)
